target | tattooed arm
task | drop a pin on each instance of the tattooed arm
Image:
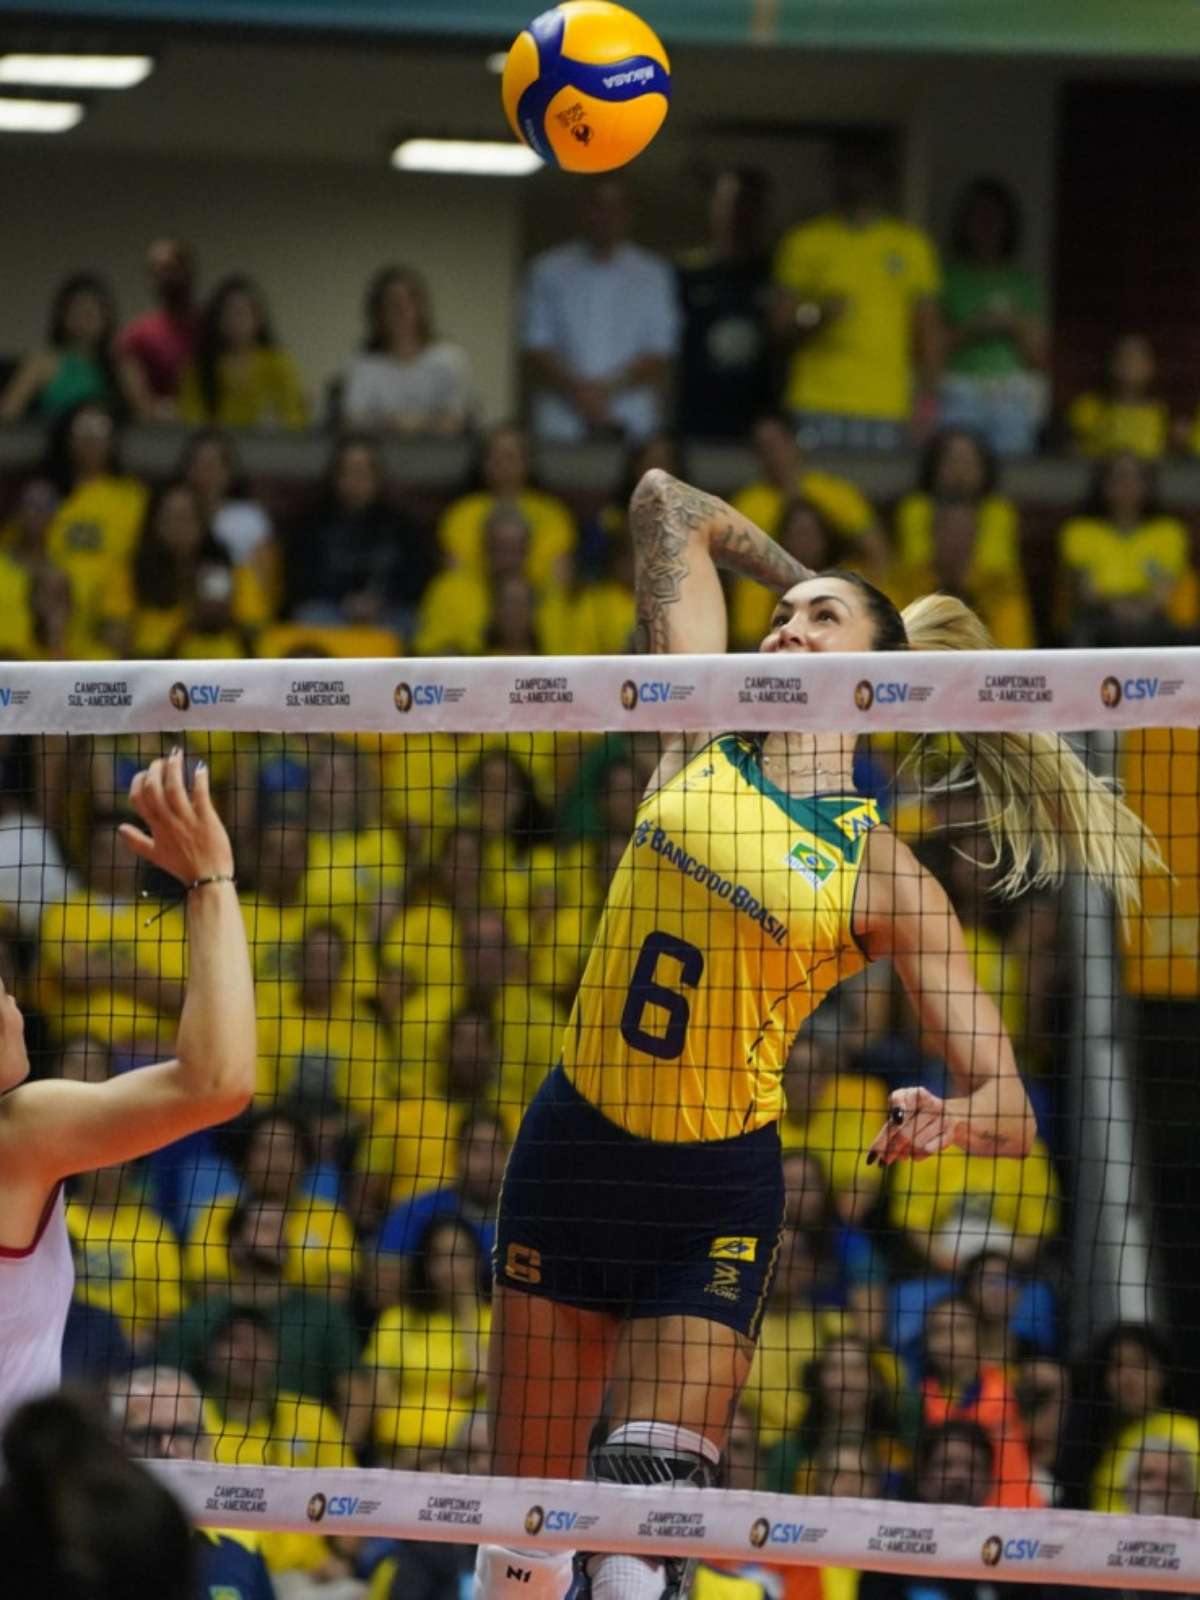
(680, 537)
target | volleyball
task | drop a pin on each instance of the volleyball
(586, 85)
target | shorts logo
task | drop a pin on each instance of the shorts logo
(728, 1249)
(724, 1283)
(992, 1552)
(522, 1264)
(315, 1508)
(535, 1519)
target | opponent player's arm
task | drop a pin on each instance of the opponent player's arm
(680, 537)
(903, 914)
(51, 1129)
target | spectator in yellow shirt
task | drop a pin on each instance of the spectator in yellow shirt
(275, 1157)
(240, 377)
(830, 1115)
(100, 966)
(1127, 576)
(785, 477)
(176, 569)
(274, 910)
(955, 533)
(1128, 413)
(127, 1257)
(505, 477)
(857, 307)
(325, 1012)
(953, 1205)
(466, 611)
(253, 1423)
(428, 1351)
(95, 528)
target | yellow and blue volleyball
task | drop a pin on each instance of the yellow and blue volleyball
(586, 85)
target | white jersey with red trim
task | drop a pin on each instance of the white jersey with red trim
(36, 1285)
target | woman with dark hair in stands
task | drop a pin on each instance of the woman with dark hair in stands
(1125, 1375)
(79, 362)
(426, 1353)
(210, 464)
(405, 379)
(240, 377)
(955, 533)
(180, 573)
(1126, 572)
(996, 348)
(358, 559)
(846, 1401)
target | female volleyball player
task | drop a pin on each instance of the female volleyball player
(51, 1129)
(642, 1201)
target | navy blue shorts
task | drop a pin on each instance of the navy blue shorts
(593, 1217)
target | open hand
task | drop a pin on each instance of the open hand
(918, 1126)
(186, 837)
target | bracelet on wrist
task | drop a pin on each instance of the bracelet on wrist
(185, 889)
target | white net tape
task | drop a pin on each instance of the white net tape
(1078, 1547)
(1030, 691)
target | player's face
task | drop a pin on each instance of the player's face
(821, 614)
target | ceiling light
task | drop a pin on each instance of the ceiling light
(497, 61)
(483, 158)
(76, 72)
(38, 116)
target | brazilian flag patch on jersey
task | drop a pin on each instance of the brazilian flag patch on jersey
(813, 865)
(733, 1249)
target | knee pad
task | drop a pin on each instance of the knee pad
(504, 1574)
(646, 1453)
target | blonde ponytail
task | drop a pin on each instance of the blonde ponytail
(1046, 812)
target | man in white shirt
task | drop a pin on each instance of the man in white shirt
(600, 328)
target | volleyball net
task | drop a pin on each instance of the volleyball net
(958, 1361)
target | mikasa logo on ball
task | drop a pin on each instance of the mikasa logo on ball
(637, 75)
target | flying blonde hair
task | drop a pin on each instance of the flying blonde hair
(1047, 814)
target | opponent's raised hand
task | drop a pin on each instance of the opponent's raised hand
(183, 834)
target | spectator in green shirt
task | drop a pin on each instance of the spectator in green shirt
(318, 1347)
(994, 378)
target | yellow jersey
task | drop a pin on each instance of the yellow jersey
(727, 923)
(1102, 426)
(861, 363)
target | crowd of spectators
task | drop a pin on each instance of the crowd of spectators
(848, 332)
(310, 1286)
